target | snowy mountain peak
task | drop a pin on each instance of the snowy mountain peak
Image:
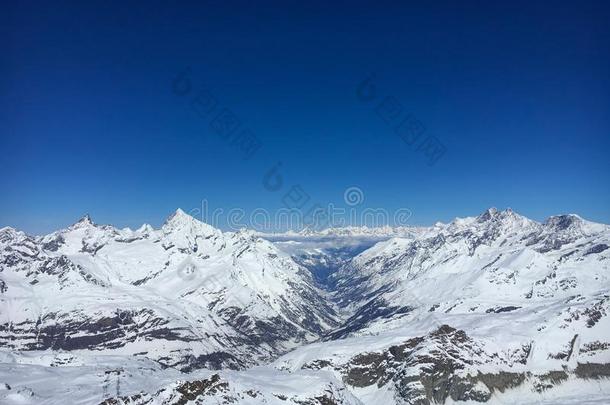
(572, 224)
(307, 231)
(85, 221)
(505, 218)
(183, 229)
(8, 234)
(145, 228)
(7, 230)
(180, 219)
(488, 214)
(563, 222)
(179, 215)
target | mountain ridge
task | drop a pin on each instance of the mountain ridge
(472, 310)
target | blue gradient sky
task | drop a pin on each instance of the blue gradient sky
(519, 94)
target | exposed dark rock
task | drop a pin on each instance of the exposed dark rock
(191, 390)
(498, 310)
(440, 359)
(597, 249)
(317, 365)
(594, 347)
(213, 361)
(550, 380)
(593, 370)
(54, 244)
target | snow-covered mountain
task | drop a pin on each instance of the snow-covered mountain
(477, 265)
(495, 308)
(185, 295)
(381, 232)
(471, 309)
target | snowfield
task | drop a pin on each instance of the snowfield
(489, 309)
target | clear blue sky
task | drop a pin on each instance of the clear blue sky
(518, 94)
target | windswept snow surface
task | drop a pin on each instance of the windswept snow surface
(495, 308)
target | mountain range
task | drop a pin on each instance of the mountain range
(495, 308)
